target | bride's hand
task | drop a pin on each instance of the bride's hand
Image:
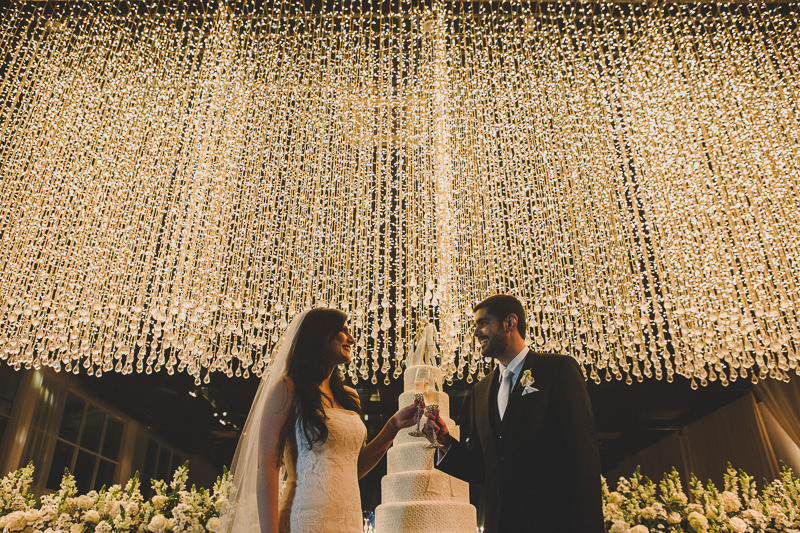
(405, 417)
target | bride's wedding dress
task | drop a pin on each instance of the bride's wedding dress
(321, 492)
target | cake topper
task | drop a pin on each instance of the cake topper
(426, 352)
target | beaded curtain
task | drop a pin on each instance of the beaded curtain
(178, 180)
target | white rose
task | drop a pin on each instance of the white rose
(674, 518)
(115, 509)
(132, 508)
(730, 502)
(618, 526)
(698, 522)
(695, 508)
(738, 525)
(214, 524)
(32, 515)
(616, 498)
(76, 528)
(157, 524)
(639, 529)
(159, 501)
(84, 502)
(649, 513)
(682, 498)
(91, 516)
(221, 505)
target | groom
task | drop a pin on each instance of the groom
(532, 443)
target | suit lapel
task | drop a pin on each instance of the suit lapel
(516, 392)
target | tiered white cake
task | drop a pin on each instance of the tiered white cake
(415, 496)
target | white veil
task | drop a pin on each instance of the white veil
(241, 514)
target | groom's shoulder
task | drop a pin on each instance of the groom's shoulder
(551, 359)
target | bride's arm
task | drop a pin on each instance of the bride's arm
(277, 411)
(372, 452)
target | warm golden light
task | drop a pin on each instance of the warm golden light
(175, 186)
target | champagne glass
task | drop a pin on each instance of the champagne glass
(419, 389)
(431, 397)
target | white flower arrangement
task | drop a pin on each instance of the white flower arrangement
(640, 506)
(637, 506)
(172, 508)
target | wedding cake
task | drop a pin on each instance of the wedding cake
(415, 497)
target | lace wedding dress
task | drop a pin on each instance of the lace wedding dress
(321, 493)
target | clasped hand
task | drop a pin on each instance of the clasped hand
(436, 429)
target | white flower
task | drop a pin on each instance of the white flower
(132, 508)
(214, 524)
(674, 518)
(639, 529)
(157, 524)
(76, 528)
(84, 502)
(159, 501)
(730, 502)
(682, 498)
(618, 526)
(612, 512)
(103, 527)
(221, 505)
(649, 513)
(698, 522)
(616, 498)
(15, 521)
(738, 525)
(695, 508)
(91, 516)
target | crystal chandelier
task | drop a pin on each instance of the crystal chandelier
(176, 184)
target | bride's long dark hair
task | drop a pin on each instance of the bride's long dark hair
(308, 366)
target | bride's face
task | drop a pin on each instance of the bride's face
(341, 346)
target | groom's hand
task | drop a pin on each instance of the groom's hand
(436, 429)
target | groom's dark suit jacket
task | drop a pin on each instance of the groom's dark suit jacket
(539, 467)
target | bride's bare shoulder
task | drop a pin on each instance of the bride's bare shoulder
(281, 396)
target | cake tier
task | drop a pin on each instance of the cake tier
(413, 373)
(410, 456)
(423, 485)
(425, 517)
(407, 398)
(403, 437)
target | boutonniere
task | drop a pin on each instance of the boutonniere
(527, 382)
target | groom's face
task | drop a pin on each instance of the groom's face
(490, 334)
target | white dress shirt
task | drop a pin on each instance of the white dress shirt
(515, 366)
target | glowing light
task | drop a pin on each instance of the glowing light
(175, 186)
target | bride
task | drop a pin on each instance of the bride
(303, 447)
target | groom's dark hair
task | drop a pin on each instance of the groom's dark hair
(502, 305)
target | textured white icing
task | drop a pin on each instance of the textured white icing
(422, 485)
(426, 517)
(409, 456)
(415, 497)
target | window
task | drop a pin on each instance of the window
(9, 381)
(88, 444)
(160, 462)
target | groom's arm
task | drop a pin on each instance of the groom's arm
(581, 449)
(464, 460)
